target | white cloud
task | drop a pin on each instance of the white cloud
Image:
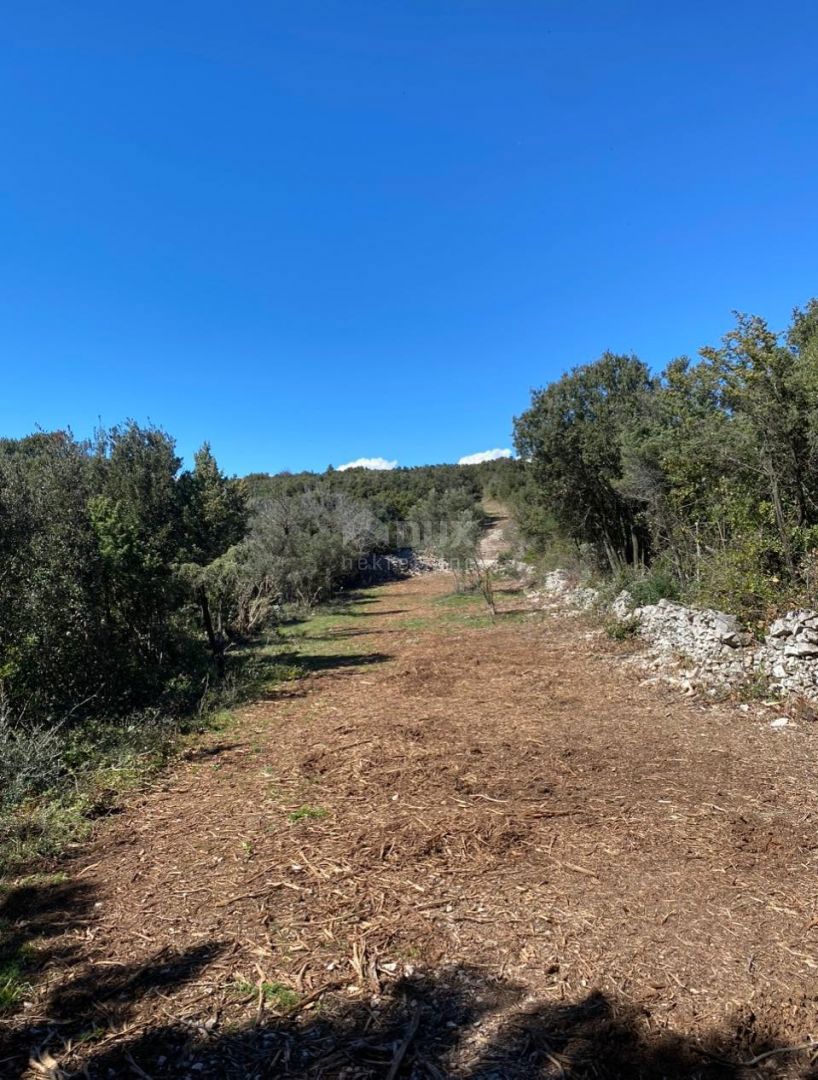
(484, 455)
(368, 463)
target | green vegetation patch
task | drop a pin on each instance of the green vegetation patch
(308, 813)
(461, 599)
(13, 984)
(621, 629)
(273, 993)
(17, 962)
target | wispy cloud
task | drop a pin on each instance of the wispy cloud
(368, 463)
(484, 455)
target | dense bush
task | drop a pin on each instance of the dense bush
(97, 614)
(301, 549)
(32, 759)
(708, 470)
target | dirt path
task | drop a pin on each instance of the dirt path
(460, 848)
(495, 540)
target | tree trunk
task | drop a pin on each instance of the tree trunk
(780, 517)
(216, 648)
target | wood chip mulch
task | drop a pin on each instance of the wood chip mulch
(464, 850)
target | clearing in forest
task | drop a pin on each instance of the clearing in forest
(461, 847)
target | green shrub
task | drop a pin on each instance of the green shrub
(32, 759)
(651, 586)
(737, 579)
(621, 629)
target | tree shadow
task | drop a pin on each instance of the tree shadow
(352, 632)
(41, 931)
(381, 611)
(111, 993)
(34, 914)
(458, 1022)
(204, 753)
(310, 664)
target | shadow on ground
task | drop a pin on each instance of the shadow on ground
(461, 1022)
(457, 1023)
(371, 614)
(310, 663)
(273, 676)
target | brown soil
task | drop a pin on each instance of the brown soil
(465, 850)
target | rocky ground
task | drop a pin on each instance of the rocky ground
(464, 847)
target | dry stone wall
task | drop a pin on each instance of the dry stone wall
(789, 656)
(712, 647)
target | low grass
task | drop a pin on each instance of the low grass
(94, 767)
(308, 813)
(17, 964)
(458, 609)
(13, 983)
(462, 599)
(273, 993)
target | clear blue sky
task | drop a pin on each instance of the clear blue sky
(314, 231)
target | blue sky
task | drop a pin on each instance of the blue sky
(312, 232)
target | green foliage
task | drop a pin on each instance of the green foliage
(709, 471)
(101, 649)
(573, 436)
(647, 585)
(389, 494)
(95, 609)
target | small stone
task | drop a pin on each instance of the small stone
(780, 722)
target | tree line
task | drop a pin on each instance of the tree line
(702, 478)
(102, 548)
(125, 578)
(134, 593)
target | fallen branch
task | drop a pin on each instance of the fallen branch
(811, 1045)
(259, 893)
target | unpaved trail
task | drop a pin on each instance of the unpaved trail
(461, 848)
(494, 542)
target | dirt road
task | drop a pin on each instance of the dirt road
(460, 848)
